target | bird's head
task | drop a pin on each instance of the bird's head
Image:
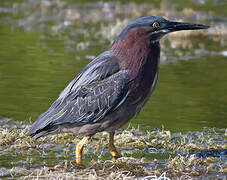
(139, 40)
(153, 28)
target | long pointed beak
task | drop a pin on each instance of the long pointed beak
(178, 26)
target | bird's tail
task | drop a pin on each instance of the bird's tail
(37, 133)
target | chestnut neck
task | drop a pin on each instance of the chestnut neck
(136, 50)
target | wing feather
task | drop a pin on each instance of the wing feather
(101, 87)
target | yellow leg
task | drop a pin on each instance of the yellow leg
(79, 149)
(112, 148)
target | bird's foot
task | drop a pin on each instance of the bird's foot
(78, 160)
(114, 158)
(112, 148)
(115, 155)
(79, 149)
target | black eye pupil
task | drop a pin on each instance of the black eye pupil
(156, 25)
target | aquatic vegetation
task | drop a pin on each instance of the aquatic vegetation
(145, 153)
(59, 18)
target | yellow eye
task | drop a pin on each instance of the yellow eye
(156, 25)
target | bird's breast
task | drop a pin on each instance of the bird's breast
(145, 80)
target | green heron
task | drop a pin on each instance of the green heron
(113, 87)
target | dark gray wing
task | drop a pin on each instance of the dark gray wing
(98, 89)
(91, 102)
